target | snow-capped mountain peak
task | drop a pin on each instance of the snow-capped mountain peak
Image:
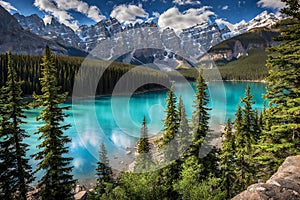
(86, 37)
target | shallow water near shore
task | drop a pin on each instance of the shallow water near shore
(116, 121)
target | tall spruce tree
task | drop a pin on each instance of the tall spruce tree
(281, 135)
(171, 126)
(103, 172)
(184, 136)
(144, 159)
(228, 161)
(16, 174)
(57, 180)
(243, 139)
(200, 116)
(257, 126)
(249, 120)
(7, 161)
(241, 149)
(169, 144)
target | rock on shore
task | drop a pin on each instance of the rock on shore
(283, 185)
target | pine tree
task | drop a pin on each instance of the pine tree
(200, 117)
(228, 162)
(171, 125)
(103, 172)
(15, 171)
(57, 180)
(184, 137)
(257, 126)
(7, 161)
(249, 120)
(144, 159)
(190, 176)
(242, 149)
(281, 134)
(169, 144)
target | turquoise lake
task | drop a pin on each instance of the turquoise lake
(116, 121)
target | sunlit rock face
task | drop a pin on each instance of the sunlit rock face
(283, 185)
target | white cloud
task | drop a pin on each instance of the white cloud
(223, 22)
(186, 2)
(275, 4)
(47, 19)
(126, 13)
(173, 18)
(93, 13)
(7, 6)
(225, 7)
(59, 9)
(156, 14)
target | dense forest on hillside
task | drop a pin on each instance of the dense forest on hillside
(251, 67)
(29, 70)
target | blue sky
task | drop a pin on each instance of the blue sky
(177, 13)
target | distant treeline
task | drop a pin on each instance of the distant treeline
(29, 70)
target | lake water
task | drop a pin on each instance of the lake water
(116, 121)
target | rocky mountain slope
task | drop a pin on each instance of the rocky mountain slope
(53, 30)
(283, 185)
(15, 38)
(239, 46)
(156, 45)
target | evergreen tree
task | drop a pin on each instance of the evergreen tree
(57, 181)
(249, 120)
(227, 161)
(257, 126)
(7, 161)
(184, 137)
(144, 159)
(200, 117)
(281, 135)
(192, 186)
(171, 126)
(169, 144)
(103, 172)
(242, 149)
(15, 172)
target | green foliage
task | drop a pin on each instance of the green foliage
(200, 116)
(15, 172)
(144, 160)
(171, 126)
(184, 136)
(191, 186)
(281, 135)
(249, 120)
(251, 67)
(145, 186)
(103, 172)
(29, 70)
(57, 181)
(246, 135)
(228, 161)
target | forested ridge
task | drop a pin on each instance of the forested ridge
(28, 69)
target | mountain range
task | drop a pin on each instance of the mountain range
(139, 43)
